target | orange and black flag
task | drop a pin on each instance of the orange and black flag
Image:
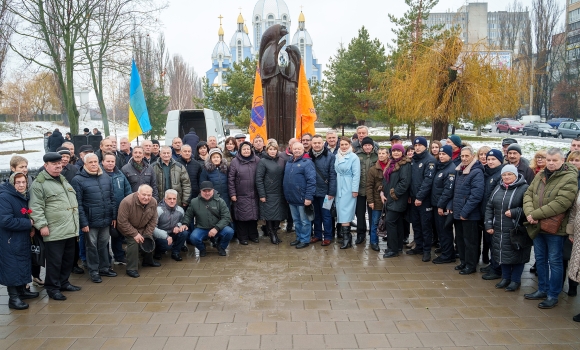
(258, 117)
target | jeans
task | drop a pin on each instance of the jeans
(161, 245)
(82, 248)
(322, 219)
(197, 236)
(512, 272)
(97, 240)
(301, 223)
(375, 216)
(421, 218)
(548, 250)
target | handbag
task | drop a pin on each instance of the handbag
(552, 224)
(382, 225)
(113, 232)
(37, 249)
(519, 237)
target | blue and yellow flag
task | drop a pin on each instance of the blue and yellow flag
(138, 116)
(258, 118)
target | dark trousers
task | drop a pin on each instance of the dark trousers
(161, 245)
(117, 247)
(421, 218)
(466, 237)
(322, 220)
(289, 219)
(247, 229)
(493, 264)
(35, 271)
(361, 210)
(395, 230)
(59, 263)
(445, 236)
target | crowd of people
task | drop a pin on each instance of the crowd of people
(467, 204)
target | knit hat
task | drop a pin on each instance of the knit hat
(447, 150)
(63, 150)
(515, 147)
(215, 150)
(395, 138)
(367, 141)
(421, 141)
(456, 140)
(496, 153)
(509, 169)
(398, 147)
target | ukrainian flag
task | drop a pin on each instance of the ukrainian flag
(138, 116)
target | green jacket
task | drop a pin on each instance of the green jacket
(206, 213)
(558, 194)
(179, 180)
(54, 204)
(367, 161)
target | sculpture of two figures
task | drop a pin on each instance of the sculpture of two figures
(279, 70)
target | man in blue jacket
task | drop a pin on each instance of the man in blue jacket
(423, 172)
(299, 189)
(325, 189)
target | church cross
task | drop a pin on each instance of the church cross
(220, 17)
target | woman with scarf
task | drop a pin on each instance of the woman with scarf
(347, 166)
(504, 213)
(374, 186)
(243, 193)
(538, 163)
(395, 195)
(441, 198)
(230, 149)
(15, 232)
(201, 152)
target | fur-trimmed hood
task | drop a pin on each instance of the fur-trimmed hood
(209, 166)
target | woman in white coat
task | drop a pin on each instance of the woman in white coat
(347, 166)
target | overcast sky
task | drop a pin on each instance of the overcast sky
(191, 27)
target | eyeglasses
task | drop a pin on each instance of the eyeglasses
(305, 139)
(540, 157)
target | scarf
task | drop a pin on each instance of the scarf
(98, 172)
(340, 154)
(316, 154)
(383, 165)
(138, 166)
(248, 158)
(390, 167)
(463, 167)
(456, 154)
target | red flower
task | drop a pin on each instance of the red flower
(29, 211)
(23, 210)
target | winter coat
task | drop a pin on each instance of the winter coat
(179, 180)
(335, 148)
(367, 161)
(167, 219)
(526, 171)
(96, 199)
(269, 179)
(191, 139)
(55, 141)
(299, 180)
(357, 147)
(468, 192)
(54, 204)
(135, 218)
(229, 156)
(145, 177)
(14, 237)
(242, 185)
(422, 174)
(443, 185)
(325, 173)
(491, 177)
(194, 171)
(347, 181)
(69, 172)
(218, 176)
(121, 186)
(500, 201)
(397, 189)
(208, 214)
(46, 149)
(375, 186)
(119, 159)
(573, 231)
(558, 193)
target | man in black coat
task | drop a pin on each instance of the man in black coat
(191, 139)
(514, 156)
(193, 168)
(55, 140)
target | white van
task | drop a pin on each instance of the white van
(527, 119)
(205, 121)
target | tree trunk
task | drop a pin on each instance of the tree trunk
(104, 115)
(413, 129)
(440, 130)
(391, 130)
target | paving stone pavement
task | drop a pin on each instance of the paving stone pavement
(264, 296)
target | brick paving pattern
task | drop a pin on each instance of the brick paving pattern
(276, 297)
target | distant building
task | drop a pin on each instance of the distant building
(573, 30)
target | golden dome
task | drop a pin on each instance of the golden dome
(246, 29)
(301, 17)
(240, 19)
(221, 30)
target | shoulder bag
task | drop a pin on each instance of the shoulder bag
(552, 224)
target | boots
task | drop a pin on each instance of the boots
(272, 232)
(339, 231)
(346, 237)
(360, 238)
(24, 293)
(14, 302)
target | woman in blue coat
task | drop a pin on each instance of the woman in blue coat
(15, 232)
(347, 166)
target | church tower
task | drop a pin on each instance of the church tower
(221, 58)
(266, 14)
(303, 41)
(240, 44)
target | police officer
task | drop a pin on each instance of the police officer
(423, 171)
(441, 198)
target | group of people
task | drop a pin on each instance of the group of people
(466, 203)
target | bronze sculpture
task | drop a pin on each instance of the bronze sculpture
(279, 70)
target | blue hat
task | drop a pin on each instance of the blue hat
(496, 153)
(456, 140)
(447, 150)
(421, 141)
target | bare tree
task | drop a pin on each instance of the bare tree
(183, 84)
(6, 23)
(512, 25)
